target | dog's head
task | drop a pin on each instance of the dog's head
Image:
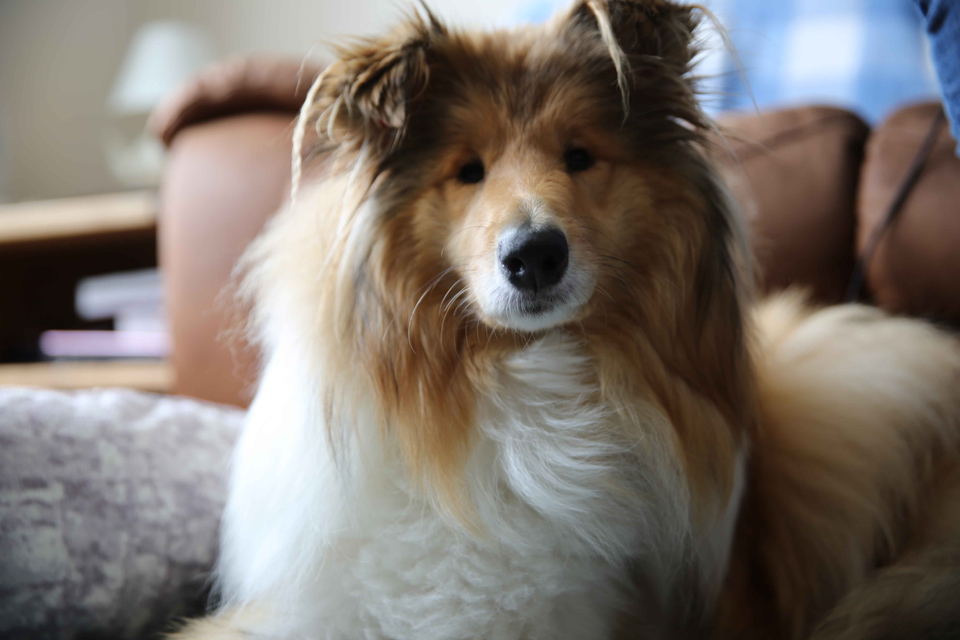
(543, 169)
(499, 185)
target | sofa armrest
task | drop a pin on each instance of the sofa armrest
(224, 179)
(228, 170)
(231, 87)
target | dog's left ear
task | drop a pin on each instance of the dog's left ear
(657, 28)
(637, 31)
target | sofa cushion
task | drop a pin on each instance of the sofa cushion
(109, 508)
(795, 174)
(916, 267)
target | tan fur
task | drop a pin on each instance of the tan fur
(859, 415)
(849, 418)
(225, 625)
(916, 596)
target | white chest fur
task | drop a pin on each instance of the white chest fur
(564, 493)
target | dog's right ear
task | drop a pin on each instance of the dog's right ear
(368, 93)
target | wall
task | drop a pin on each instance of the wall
(58, 59)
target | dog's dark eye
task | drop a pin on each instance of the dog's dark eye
(577, 159)
(471, 173)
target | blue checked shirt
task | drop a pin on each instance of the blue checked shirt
(869, 56)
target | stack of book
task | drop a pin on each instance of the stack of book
(133, 301)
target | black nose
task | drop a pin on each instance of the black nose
(534, 259)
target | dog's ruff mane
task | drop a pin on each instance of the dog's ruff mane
(410, 469)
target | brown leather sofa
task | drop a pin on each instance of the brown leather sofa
(814, 182)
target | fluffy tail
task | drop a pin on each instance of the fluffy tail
(859, 415)
(917, 598)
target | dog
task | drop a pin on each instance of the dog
(516, 383)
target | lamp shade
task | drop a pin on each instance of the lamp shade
(161, 56)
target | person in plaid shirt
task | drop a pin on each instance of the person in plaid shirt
(942, 22)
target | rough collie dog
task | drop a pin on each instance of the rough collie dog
(515, 384)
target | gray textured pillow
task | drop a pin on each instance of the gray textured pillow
(109, 506)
